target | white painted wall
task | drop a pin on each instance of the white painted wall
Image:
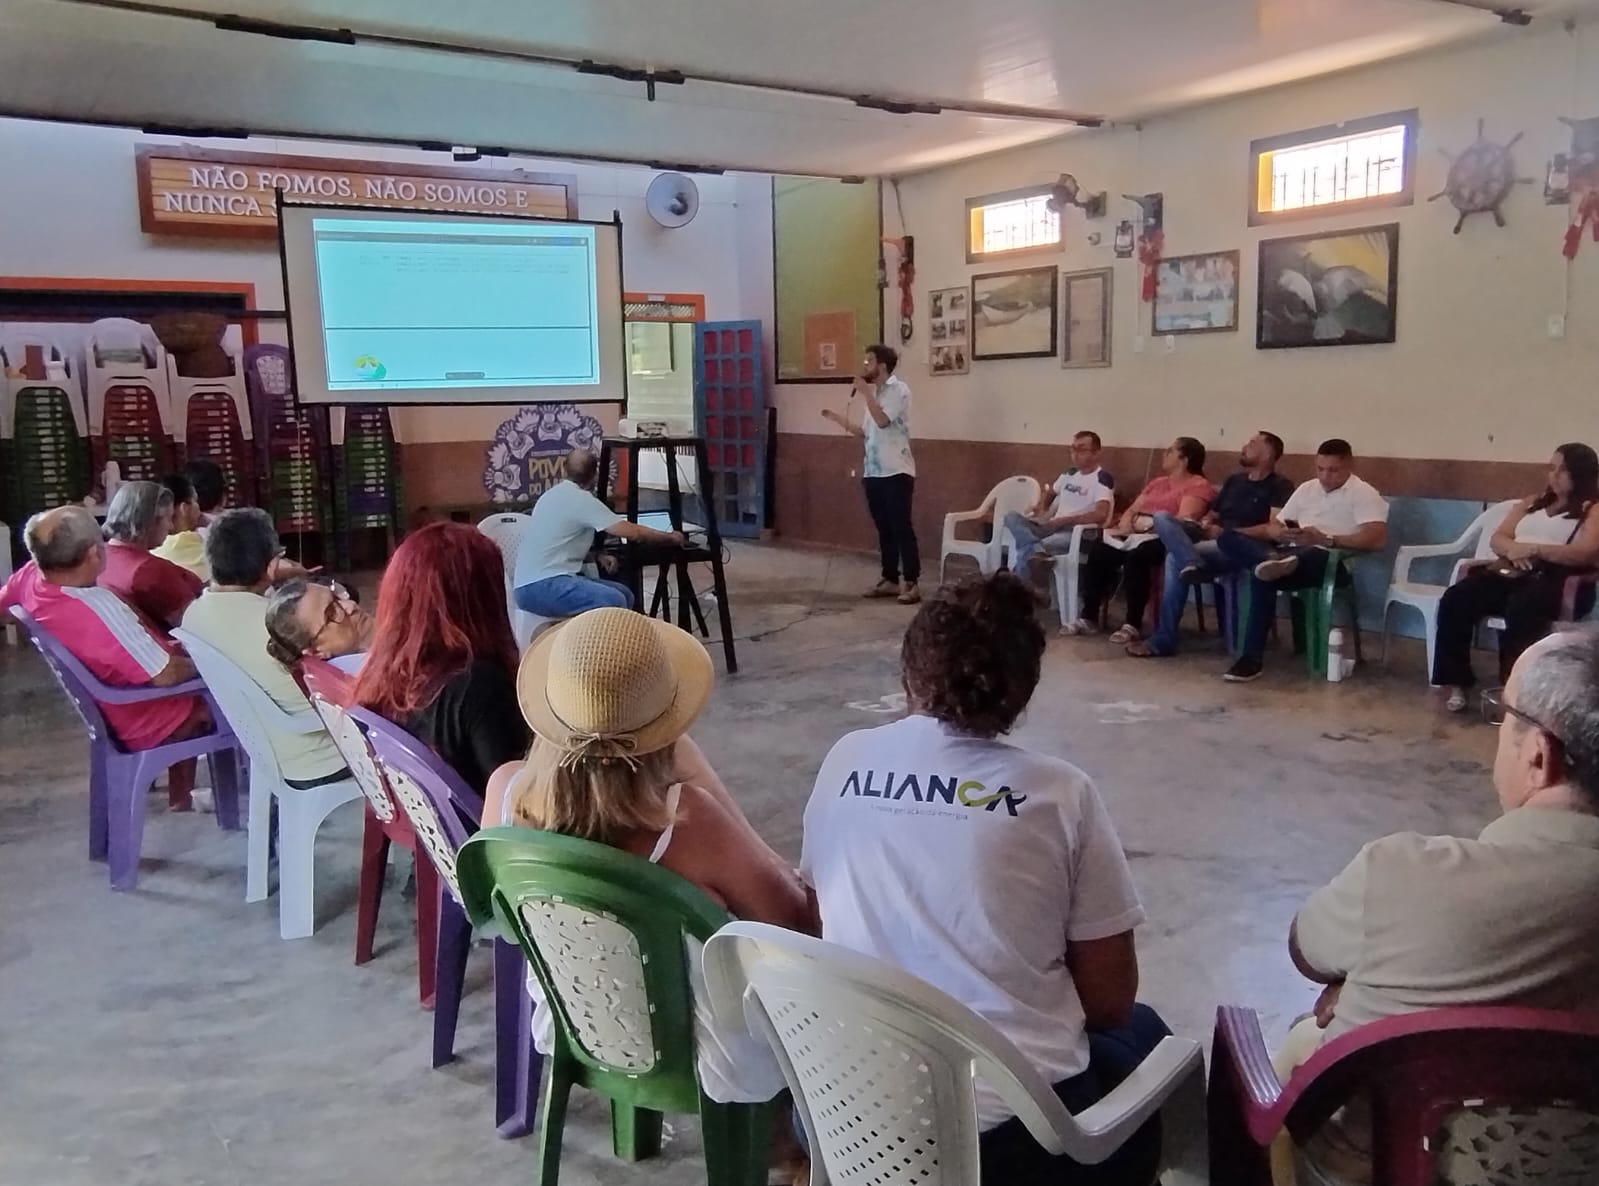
(1473, 373)
(69, 208)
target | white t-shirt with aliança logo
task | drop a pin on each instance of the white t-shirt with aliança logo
(970, 864)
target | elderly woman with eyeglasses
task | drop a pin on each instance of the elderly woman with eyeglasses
(318, 619)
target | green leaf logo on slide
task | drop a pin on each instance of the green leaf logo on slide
(367, 363)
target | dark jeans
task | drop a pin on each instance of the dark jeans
(1244, 552)
(1010, 1156)
(1181, 552)
(1137, 570)
(1529, 605)
(889, 501)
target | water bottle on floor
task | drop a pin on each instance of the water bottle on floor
(1335, 655)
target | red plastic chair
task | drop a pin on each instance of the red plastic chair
(331, 694)
(1417, 1070)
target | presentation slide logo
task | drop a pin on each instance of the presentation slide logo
(370, 367)
(525, 457)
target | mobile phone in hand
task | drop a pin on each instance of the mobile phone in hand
(1291, 524)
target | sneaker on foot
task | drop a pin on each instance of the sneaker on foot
(1192, 574)
(1277, 568)
(883, 589)
(909, 594)
(1243, 671)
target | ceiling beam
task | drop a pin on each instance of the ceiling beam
(649, 76)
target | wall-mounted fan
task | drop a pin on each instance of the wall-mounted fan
(672, 199)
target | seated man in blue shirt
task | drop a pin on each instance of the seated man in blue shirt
(1244, 505)
(549, 579)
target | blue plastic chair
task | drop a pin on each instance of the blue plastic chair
(119, 779)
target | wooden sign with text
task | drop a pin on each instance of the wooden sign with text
(188, 191)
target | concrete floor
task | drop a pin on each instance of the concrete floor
(168, 1036)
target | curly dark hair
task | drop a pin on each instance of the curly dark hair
(972, 654)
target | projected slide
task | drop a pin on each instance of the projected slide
(421, 304)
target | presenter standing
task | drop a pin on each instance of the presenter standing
(889, 473)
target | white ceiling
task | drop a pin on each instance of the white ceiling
(1121, 59)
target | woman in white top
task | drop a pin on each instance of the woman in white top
(609, 696)
(991, 871)
(1541, 543)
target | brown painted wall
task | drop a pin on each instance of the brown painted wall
(818, 502)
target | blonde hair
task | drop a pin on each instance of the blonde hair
(599, 797)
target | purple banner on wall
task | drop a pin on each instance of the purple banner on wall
(525, 457)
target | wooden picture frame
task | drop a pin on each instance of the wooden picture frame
(1362, 299)
(1196, 294)
(1086, 308)
(1015, 314)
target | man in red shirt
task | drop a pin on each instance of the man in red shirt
(138, 519)
(58, 589)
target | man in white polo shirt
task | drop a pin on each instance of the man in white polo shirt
(1335, 509)
(1084, 494)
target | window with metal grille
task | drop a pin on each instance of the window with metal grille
(1362, 165)
(1008, 224)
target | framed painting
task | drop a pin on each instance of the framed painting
(1086, 312)
(1014, 314)
(1196, 294)
(949, 331)
(1330, 288)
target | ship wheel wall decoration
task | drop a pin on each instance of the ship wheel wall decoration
(1481, 178)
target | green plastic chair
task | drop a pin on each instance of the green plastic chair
(603, 931)
(1315, 613)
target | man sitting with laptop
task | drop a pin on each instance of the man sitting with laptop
(549, 577)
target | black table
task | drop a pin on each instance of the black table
(664, 558)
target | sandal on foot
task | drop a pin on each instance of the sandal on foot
(1126, 634)
(1078, 628)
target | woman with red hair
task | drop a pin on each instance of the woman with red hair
(442, 664)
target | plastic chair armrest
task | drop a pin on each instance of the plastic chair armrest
(106, 694)
(1114, 1119)
(1336, 559)
(1413, 552)
(1079, 535)
(1462, 567)
(1568, 594)
(1260, 1091)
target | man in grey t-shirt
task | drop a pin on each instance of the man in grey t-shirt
(549, 579)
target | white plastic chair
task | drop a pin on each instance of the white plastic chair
(300, 811)
(122, 335)
(1013, 494)
(881, 1065)
(508, 530)
(1424, 598)
(1068, 571)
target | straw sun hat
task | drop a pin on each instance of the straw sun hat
(612, 682)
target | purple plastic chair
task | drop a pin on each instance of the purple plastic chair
(444, 812)
(119, 779)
